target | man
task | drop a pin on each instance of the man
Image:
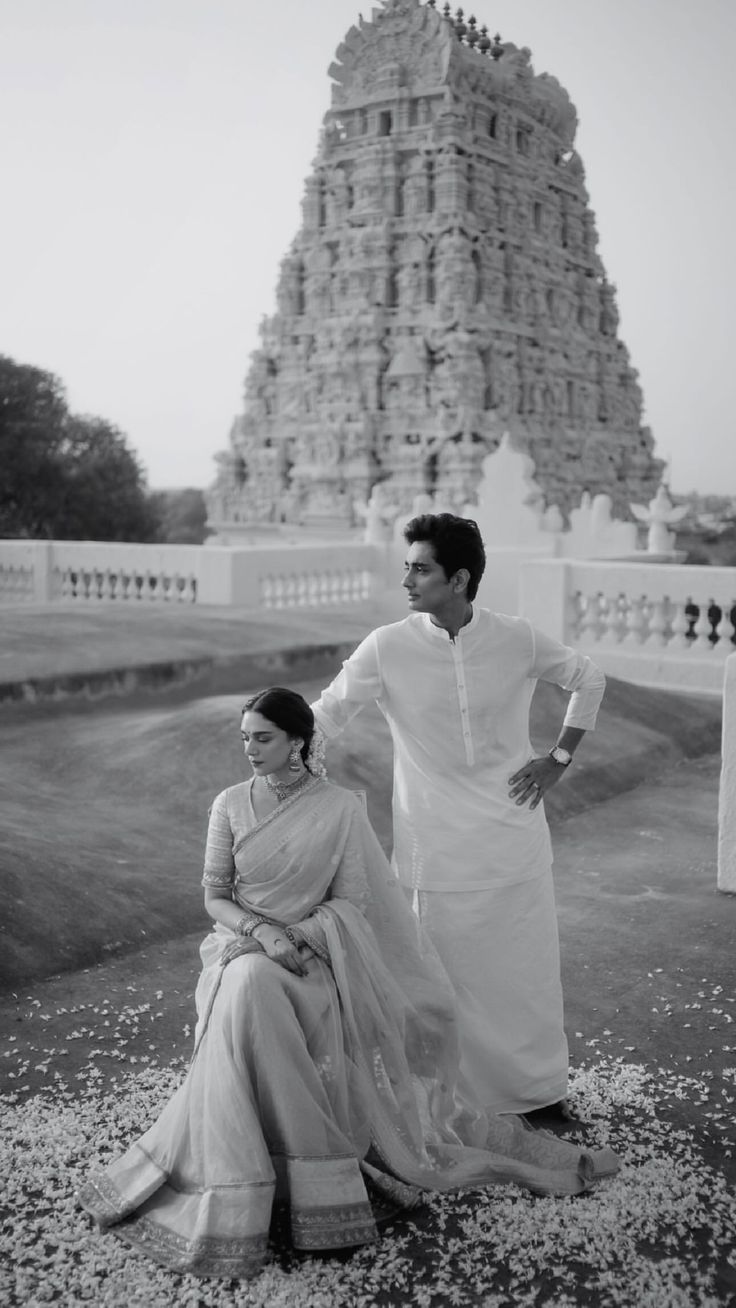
(471, 841)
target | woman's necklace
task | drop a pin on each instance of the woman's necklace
(285, 789)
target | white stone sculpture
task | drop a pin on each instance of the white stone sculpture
(510, 508)
(595, 534)
(378, 516)
(659, 515)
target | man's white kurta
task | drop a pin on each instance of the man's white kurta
(478, 863)
(458, 711)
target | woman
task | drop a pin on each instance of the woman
(326, 1046)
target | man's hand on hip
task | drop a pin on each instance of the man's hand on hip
(530, 784)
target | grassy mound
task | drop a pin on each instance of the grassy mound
(106, 810)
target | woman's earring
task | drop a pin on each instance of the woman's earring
(295, 756)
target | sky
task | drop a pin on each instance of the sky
(153, 160)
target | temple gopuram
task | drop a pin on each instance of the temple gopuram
(444, 288)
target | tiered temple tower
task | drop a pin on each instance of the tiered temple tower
(444, 288)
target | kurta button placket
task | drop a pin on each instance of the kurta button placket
(457, 658)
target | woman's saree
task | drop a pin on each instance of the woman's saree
(326, 1093)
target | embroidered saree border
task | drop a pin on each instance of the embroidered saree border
(335, 1226)
(206, 1256)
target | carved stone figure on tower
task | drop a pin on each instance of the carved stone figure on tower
(415, 192)
(337, 198)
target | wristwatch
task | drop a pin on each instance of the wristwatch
(561, 756)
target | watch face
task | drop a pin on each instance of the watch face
(561, 755)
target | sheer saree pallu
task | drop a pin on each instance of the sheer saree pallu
(329, 1093)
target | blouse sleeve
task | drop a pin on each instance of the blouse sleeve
(219, 865)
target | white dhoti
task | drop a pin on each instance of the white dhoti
(500, 948)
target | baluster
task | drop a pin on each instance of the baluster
(266, 591)
(302, 590)
(725, 631)
(313, 589)
(635, 621)
(335, 582)
(279, 592)
(657, 636)
(575, 613)
(590, 619)
(612, 620)
(702, 630)
(680, 626)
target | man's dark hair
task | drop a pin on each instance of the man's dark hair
(456, 543)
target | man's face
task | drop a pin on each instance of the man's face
(428, 588)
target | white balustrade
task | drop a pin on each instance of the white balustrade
(93, 572)
(316, 589)
(656, 624)
(274, 576)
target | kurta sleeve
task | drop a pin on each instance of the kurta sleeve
(358, 682)
(219, 865)
(575, 673)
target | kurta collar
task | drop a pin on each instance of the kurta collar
(439, 633)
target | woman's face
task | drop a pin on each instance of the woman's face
(267, 747)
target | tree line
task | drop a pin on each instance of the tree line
(66, 476)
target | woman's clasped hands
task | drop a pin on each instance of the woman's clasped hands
(277, 946)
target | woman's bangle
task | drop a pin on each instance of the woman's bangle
(246, 925)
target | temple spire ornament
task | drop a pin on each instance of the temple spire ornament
(445, 286)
